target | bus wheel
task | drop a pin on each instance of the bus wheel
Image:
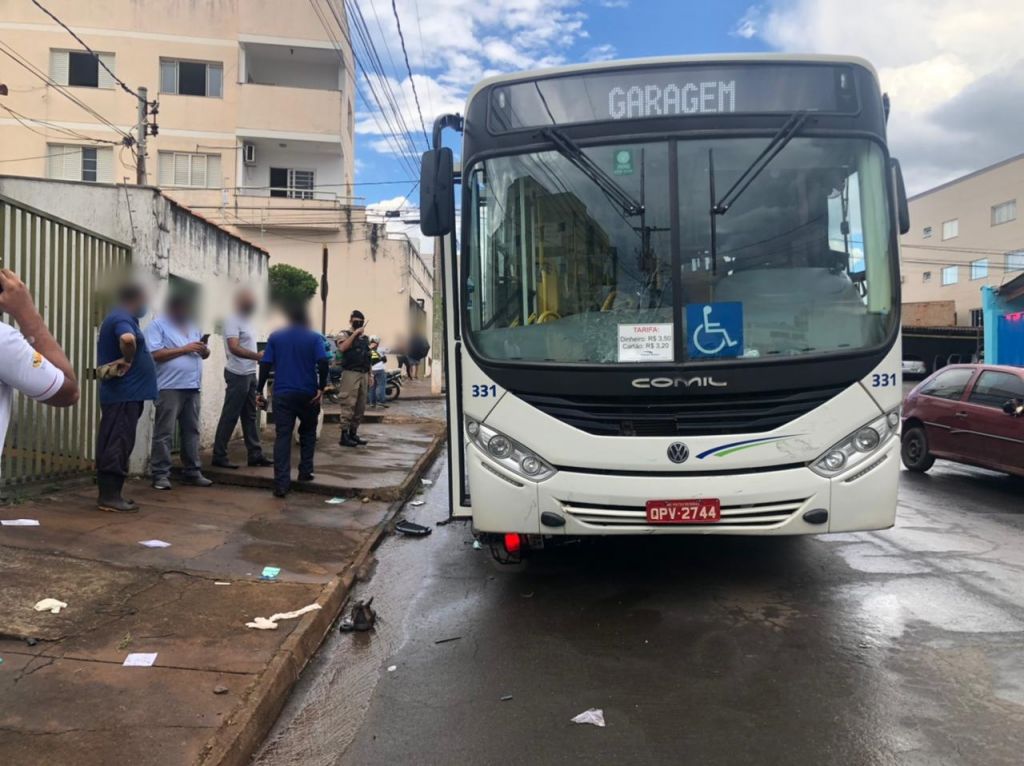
(914, 450)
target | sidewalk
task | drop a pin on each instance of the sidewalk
(68, 699)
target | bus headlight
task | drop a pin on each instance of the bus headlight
(858, 446)
(507, 453)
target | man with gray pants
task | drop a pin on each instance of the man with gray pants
(240, 367)
(178, 352)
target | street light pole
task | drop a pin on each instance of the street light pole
(140, 164)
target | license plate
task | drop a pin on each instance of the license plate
(708, 510)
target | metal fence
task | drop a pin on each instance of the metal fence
(65, 266)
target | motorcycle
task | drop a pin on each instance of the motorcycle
(393, 388)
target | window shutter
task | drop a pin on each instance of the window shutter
(168, 77)
(104, 80)
(72, 157)
(198, 170)
(55, 161)
(215, 80)
(165, 177)
(213, 176)
(104, 165)
(181, 169)
(59, 67)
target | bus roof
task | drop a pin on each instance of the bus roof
(706, 58)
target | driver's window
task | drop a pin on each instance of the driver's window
(994, 389)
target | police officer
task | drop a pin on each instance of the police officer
(355, 373)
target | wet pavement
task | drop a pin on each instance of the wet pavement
(897, 647)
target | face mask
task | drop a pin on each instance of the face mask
(141, 311)
(357, 323)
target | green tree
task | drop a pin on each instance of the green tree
(290, 285)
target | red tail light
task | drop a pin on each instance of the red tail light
(513, 542)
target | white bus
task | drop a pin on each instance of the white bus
(673, 307)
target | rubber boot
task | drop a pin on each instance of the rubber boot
(347, 440)
(110, 495)
(356, 438)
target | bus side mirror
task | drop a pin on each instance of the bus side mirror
(437, 192)
(902, 206)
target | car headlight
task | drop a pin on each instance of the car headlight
(507, 453)
(858, 446)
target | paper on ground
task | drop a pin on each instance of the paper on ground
(336, 500)
(52, 605)
(270, 572)
(594, 716)
(154, 543)
(418, 502)
(427, 482)
(19, 522)
(270, 623)
(139, 660)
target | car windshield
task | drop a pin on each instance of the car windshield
(560, 271)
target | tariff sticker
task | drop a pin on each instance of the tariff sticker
(645, 343)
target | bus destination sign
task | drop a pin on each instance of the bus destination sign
(640, 93)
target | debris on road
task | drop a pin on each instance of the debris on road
(506, 698)
(336, 500)
(418, 503)
(220, 582)
(270, 623)
(392, 668)
(155, 543)
(139, 660)
(477, 545)
(412, 529)
(361, 618)
(220, 690)
(594, 716)
(269, 573)
(366, 499)
(31, 641)
(427, 482)
(19, 522)
(447, 640)
(51, 605)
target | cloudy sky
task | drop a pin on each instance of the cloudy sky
(954, 69)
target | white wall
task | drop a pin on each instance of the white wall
(166, 239)
(292, 67)
(327, 165)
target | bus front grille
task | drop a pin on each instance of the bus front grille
(749, 516)
(716, 414)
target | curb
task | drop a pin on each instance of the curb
(244, 731)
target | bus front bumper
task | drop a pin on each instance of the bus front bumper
(764, 502)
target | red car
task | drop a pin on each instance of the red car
(969, 413)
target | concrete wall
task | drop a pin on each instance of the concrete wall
(969, 200)
(166, 240)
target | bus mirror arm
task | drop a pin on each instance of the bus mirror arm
(902, 205)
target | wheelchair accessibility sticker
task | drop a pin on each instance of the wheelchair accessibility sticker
(714, 329)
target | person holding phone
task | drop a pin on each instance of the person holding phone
(355, 376)
(179, 351)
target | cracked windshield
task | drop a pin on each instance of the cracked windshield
(571, 256)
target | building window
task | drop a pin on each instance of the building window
(185, 169)
(951, 229)
(1015, 261)
(926, 276)
(950, 275)
(979, 268)
(81, 69)
(192, 78)
(68, 162)
(287, 182)
(1004, 212)
(926, 232)
(977, 318)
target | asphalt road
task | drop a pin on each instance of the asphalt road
(896, 647)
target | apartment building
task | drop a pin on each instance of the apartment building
(966, 234)
(255, 128)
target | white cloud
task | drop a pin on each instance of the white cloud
(600, 53)
(400, 202)
(954, 71)
(614, 3)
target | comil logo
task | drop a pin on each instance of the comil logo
(700, 381)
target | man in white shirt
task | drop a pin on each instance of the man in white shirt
(33, 362)
(240, 368)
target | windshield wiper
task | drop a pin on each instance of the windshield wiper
(776, 145)
(568, 149)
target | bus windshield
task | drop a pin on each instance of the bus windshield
(560, 271)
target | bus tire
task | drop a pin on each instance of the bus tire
(914, 450)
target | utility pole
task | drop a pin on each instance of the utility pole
(142, 128)
(323, 294)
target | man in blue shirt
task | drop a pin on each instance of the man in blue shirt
(127, 380)
(179, 353)
(297, 356)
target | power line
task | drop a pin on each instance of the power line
(95, 55)
(419, 31)
(23, 119)
(408, 69)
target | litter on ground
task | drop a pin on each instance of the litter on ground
(506, 698)
(418, 503)
(392, 668)
(447, 640)
(270, 623)
(477, 545)
(361, 618)
(51, 605)
(139, 660)
(154, 543)
(269, 573)
(412, 529)
(594, 716)
(427, 482)
(220, 582)
(19, 522)
(336, 500)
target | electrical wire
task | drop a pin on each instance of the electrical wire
(95, 55)
(23, 119)
(405, 53)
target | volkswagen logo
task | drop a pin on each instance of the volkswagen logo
(678, 452)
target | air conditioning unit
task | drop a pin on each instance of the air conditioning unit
(249, 153)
